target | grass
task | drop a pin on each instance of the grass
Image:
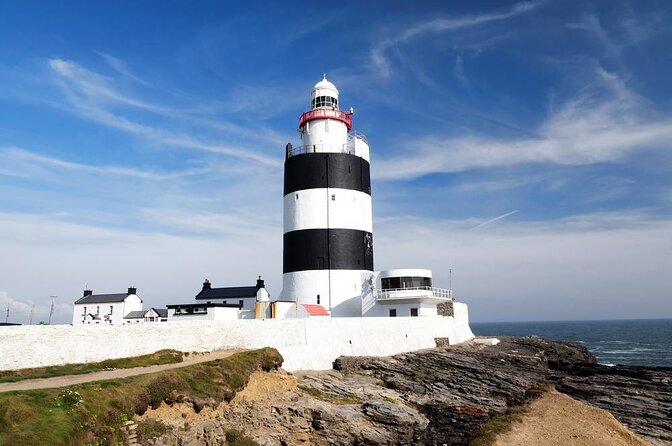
(502, 423)
(158, 358)
(329, 397)
(236, 438)
(93, 413)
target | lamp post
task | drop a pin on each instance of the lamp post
(51, 311)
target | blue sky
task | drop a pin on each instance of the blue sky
(525, 145)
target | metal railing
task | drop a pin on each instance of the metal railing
(400, 293)
(348, 147)
(354, 134)
(321, 148)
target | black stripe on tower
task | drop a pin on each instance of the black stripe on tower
(321, 170)
(315, 249)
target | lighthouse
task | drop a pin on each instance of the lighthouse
(328, 228)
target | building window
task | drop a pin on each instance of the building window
(84, 313)
(111, 309)
(240, 304)
(98, 309)
(393, 312)
(333, 197)
(414, 312)
(393, 283)
(318, 299)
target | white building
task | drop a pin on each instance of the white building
(105, 308)
(203, 311)
(222, 303)
(151, 315)
(402, 292)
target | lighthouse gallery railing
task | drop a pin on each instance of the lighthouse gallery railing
(400, 293)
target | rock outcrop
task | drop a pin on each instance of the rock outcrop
(437, 396)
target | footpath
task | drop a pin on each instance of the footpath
(69, 380)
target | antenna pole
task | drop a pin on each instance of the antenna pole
(7, 314)
(30, 315)
(51, 311)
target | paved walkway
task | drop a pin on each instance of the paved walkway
(69, 380)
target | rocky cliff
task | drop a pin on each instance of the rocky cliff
(437, 396)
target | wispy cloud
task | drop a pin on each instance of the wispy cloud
(492, 220)
(379, 56)
(94, 97)
(458, 70)
(604, 122)
(19, 162)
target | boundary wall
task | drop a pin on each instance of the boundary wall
(305, 344)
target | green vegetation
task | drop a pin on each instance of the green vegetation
(158, 358)
(236, 438)
(329, 397)
(93, 413)
(502, 423)
(149, 428)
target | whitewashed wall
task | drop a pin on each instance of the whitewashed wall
(304, 343)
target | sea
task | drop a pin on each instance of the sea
(628, 342)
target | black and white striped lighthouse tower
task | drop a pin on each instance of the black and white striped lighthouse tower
(328, 240)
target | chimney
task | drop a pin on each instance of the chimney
(132, 290)
(206, 285)
(260, 282)
(88, 293)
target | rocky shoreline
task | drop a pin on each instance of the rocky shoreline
(434, 397)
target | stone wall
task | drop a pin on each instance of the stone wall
(445, 309)
(304, 343)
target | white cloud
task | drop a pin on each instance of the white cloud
(378, 53)
(92, 96)
(595, 266)
(611, 265)
(604, 122)
(19, 162)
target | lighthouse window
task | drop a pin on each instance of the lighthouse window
(324, 101)
(333, 197)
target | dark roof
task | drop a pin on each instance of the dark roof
(102, 298)
(162, 312)
(236, 292)
(135, 314)
(202, 305)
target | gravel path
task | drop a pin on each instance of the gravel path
(69, 380)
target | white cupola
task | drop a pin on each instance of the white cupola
(324, 94)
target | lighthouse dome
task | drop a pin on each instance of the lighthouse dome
(324, 94)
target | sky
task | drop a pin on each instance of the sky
(523, 145)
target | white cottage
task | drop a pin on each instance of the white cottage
(105, 308)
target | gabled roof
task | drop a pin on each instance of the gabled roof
(162, 312)
(236, 292)
(315, 310)
(102, 298)
(135, 314)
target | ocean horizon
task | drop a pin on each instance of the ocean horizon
(646, 342)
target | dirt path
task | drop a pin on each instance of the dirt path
(69, 380)
(556, 419)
